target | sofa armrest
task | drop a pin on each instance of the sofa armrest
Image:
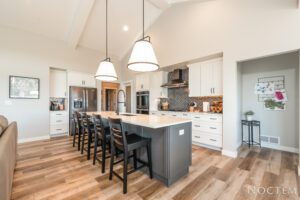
(8, 157)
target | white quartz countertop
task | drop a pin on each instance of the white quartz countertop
(150, 121)
(190, 113)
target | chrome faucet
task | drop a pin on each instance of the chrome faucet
(119, 102)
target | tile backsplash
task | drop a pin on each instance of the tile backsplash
(179, 99)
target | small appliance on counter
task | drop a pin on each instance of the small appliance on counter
(192, 106)
(165, 106)
(206, 106)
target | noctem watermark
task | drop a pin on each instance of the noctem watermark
(272, 190)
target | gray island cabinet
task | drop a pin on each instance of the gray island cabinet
(171, 142)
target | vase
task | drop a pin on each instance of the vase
(249, 117)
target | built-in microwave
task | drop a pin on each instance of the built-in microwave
(142, 102)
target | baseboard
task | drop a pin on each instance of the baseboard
(281, 148)
(232, 154)
(46, 137)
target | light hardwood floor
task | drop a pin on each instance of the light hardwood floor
(53, 169)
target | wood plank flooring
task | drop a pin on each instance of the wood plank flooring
(53, 169)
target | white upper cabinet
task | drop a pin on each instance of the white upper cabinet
(81, 79)
(58, 83)
(142, 82)
(205, 78)
(156, 91)
(194, 80)
(217, 83)
(156, 80)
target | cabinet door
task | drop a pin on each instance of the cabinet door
(142, 81)
(195, 80)
(146, 81)
(217, 78)
(89, 80)
(58, 83)
(75, 79)
(81, 79)
(156, 91)
(138, 82)
(206, 79)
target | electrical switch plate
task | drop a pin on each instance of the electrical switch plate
(181, 132)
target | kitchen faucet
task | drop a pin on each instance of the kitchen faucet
(118, 102)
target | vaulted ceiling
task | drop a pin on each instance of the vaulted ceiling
(82, 22)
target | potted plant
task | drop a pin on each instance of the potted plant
(249, 115)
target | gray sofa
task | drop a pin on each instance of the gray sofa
(8, 156)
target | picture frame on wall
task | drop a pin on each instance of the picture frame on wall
(21, 87)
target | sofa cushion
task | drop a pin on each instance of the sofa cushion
(3, 124)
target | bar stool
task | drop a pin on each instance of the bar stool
(87, 129)
(102, 136)
(76, 129)
(126, 144)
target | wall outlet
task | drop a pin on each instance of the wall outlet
(181, 132)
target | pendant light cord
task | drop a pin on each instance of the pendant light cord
(143, 19)
(106, 40)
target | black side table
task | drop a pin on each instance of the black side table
(250, 125)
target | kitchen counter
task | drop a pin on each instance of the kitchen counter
(171, 142)
(187, 112)
(150, 121)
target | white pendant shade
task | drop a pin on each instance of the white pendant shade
(143, 58)
(106, 71)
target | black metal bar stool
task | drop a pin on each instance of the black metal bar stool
(126, 144)
(76, 129)
(250, 125)
(102, 137)
(87, 129)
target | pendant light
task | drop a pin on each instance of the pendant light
(106, 70)
(142, 57)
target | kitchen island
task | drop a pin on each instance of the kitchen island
(171, 141)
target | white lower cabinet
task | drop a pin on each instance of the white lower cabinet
(59, 123)
(207, 129)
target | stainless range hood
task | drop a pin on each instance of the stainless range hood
(177, 80)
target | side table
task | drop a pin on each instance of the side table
(250, 125)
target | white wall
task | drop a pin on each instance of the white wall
(283, 124)
(241, 29)
(31, 55)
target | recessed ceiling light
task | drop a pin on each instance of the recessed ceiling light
(125, 28)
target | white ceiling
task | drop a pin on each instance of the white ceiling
(82, 22)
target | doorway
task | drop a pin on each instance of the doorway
(109, 96)
(130, 99)
(269, 87)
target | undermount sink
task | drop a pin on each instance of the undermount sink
(127, 114)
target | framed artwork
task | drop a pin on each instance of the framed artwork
(24, 87)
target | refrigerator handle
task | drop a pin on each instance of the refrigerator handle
(87, 99)
(84, 100)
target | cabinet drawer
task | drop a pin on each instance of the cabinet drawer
(60, 128)
(208, 139)
(213, 118)
(207, 118)
(58, 120)
(58, 114)
(207, 127)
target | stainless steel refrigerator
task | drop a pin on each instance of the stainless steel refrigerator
(81, 99)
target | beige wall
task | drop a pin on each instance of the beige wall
(25, 54)
(241, 29)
